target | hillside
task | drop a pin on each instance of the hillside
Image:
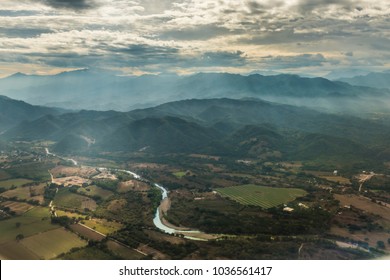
(13, 112)
(374, 80)
(241, 128)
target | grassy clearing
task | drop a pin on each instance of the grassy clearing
(95, 191)
(132, 185)
(265, 197)
(27, 192)
(179, 174)
(337, 179)
(103, 226)
(69, 214)
(65, 198)
(50, 244)
(14, 183)
(34, 221)
(19, 193)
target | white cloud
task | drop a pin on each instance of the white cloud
(183, 30)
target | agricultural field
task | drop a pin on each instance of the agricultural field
(66, 199)
(265, 197)
(14, 183)
(66, 171)
(69, 214)
(36, 171)
(123, 251)
(14, 250)
(26, 193)
(102, 225)
(31, 222)
(95, 191)
(17, 207)
(71, 181)
(51, 243)
(86, 232)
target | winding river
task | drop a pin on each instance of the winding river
(158, 220)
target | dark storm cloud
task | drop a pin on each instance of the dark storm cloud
(70, 4)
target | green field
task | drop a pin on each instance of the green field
(19, 193)
(34, 221)
(65, 198)
(265, 197)
(51, 243)
(179, 174)
(103, 226)
(13, 182)
(95, 191)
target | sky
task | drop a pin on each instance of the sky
(308, 37)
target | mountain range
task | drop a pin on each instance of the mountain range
(98, 90)
(245, 128)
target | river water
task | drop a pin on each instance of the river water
(164, 195)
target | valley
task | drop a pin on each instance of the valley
(111, 212)
(215, 178)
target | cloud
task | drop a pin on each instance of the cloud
(298, 61)
(70, 4)
(186, 35)
(23, 32)
(223, 58)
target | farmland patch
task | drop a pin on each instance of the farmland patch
(50, 244)
(265, 197)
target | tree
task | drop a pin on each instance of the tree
(18, 224)
(19, 237)
(380, 244)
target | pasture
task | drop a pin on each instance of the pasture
(265, 197)
(102, 225)
(31, 222)
(17, 207)
(26, 193)
(66, 199)
(179, 174)
(95, 191)
(7, 184)
(14, 250)
(51, 243)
